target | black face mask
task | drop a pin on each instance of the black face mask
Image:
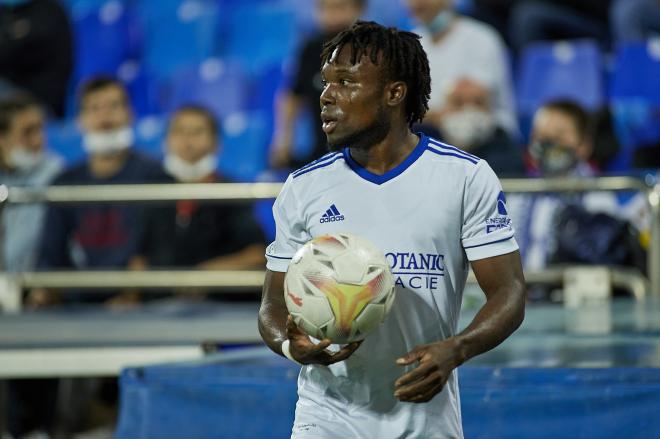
(554, 159)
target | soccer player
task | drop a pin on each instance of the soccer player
(432, 209)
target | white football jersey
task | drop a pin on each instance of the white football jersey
(440, 208)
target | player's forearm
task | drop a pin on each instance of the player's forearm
(502, 314)
(273, 312)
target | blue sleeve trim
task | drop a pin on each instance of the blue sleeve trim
(462, 157)
(277, 257)
(325, 158)
(489, 243)
(322, 165)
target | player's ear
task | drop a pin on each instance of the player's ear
(396, 93)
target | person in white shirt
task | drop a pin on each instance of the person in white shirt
(432, 209)
(461, 47)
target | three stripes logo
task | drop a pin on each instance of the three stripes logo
(331, 215)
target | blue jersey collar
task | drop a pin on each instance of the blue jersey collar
(392, 173)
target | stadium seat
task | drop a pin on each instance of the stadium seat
(221, 86)
(142, 88)
(150, 135)
(177, 34)
(244, 144)
(261, 35)
(64, 139)
(560, 70)
(635, 98)
(104, 38)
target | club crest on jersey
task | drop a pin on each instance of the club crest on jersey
(331, 215)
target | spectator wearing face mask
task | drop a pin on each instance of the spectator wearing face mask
(457, 47)
(104, 235)
(24, 162)
(561, 146)
(468, 122)
(200, 235)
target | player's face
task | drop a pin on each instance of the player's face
(26, 131)
(353, 102)
(190, 137)
(106, 109)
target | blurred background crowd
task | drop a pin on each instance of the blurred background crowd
(178, 91)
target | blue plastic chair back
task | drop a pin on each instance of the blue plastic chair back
(218, 85)
(177, 34)
(635, 98)
(560, 70)
(261, 35)
(104, 38)
(244, 145)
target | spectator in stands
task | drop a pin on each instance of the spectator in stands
(561, 141)
(635, 20)
(460, 47)
(469, 123)
(98, 236)
(23, 162)
(305, 89)
(36, 50)
(535, 20)
(561, 146)
(191, 234)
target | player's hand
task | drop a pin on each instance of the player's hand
(435, 363)
(306, 352)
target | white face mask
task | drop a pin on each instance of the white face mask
(468, 128)
(104, 142)
(23, 160)
(188, 172)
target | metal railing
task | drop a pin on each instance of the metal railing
(244, 192)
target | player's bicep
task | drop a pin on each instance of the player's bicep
(500, 273)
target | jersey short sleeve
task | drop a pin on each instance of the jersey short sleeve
(487, 228)
(290, 231)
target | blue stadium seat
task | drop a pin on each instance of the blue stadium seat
(560, 70)
(150, 134)
(104, 38)
(244, 144)
(64, 138)
(177, 34)
(221, 86)
(635, 98)
(261, 35)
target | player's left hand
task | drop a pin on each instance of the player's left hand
(436, 361)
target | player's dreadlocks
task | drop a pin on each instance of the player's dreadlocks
(402, 56)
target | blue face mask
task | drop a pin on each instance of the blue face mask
(440, 22)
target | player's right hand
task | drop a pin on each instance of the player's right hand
(306, 352)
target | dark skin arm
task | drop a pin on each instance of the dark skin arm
(276, 325)
(501, 279)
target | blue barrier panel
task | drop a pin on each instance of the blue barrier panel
(256, 399)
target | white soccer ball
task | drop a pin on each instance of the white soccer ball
(339, 286)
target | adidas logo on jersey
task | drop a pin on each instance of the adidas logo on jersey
(331, 215)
